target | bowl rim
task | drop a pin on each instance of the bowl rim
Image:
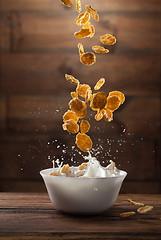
(124, 174)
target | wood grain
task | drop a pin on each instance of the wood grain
(34, 215)
(29, 73)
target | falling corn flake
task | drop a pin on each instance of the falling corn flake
(82, 33)
(83, 142)
(108, 115)
(135, 203)
(113, 103)
(99, 101)
(119, 94)
(70, 115)
(81, 49)
(67, 3)
(66, 169)
(126, 214)
(108, 39)
(82, 113)
(144, 210)
(92, 12)
(76, 105)
(88, 58)
(74, 95)
(82, 89)
(99, 49)
(90, 27)
(78, 6)
(99, 115)
(83, 18)
(71, 126)
(99, 84)
(88, 96)
(71, 79)
(84, 126)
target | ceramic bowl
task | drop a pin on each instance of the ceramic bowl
(82, 195)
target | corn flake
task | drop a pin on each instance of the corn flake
(88, 96)
(83, 18)
(79, 18)
(119, 94)
(113, 103)
(82, 33)
(135, 203)
(66, 169)
(93, 12)
(76, 105)
(99, 115)
(78, 6)
(90, 27)
(82, 113)
(81, 49)
(126, 214)
(70, 115)
(67, 3)
(108, 115)
(99, 101)
(99, 49)
(74, 95)
(83, 142)
(144, 210)
(71, 79)
(88, 58)
(84, 126)
(108, 39)
(71, 126)
(99, 84)
(83, 166)
(82, 89)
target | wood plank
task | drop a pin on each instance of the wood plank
(44, 73)
(108, 5)
(49, 33)
(44, 220)
(3, 113)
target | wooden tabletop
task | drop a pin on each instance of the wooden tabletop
(33, 216)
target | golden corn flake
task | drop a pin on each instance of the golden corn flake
(113, 103)
(55, 173)
(78, 6)
(99, 49)
(126, 214)
(135, 203)
(67, 3)
(99, 84)
(90, 27)
(70, 115)
(108, 39)
(144, 210)
(66, 169)
(81, 49)
(119, 94)
(83, 166)
(88, 58)
(71, 79)
(76, 105)
(82, 113)
(99, 101)
(83, 142)
(88, 96)
(93, 12)
(84, 126)
(71, 126)
(74, 95)
(99, 114)
(108, 115)
(83, 18)
(82, 33)
(82, 89)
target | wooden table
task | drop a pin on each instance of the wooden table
(32, 216)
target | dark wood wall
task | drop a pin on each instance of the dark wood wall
(38, 48)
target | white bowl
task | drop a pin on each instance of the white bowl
(82, 195)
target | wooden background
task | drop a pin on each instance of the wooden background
(37, 48)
